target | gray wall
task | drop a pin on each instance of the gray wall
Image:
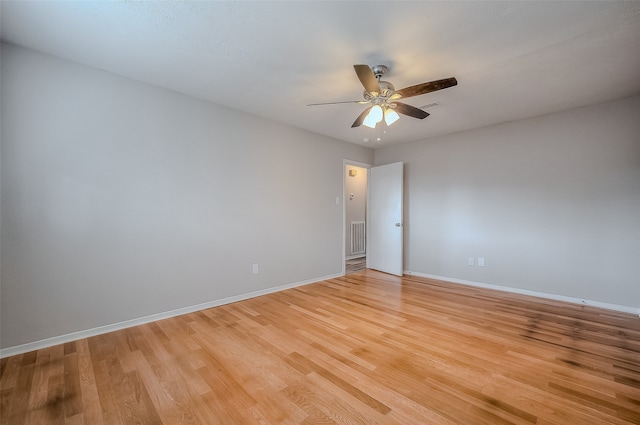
(122, 200)
(552, 203)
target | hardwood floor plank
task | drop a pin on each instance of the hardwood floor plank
(71, 392)
(19, 405)
(91, 413)
(342, 407)
(308, 402)
(366, 348)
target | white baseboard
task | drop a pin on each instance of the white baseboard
(49, 342)
(580, 301)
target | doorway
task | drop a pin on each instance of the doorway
(355, 216)
(382, 242)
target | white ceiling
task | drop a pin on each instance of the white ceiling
(512, 59)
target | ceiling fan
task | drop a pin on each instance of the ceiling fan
(383, 97)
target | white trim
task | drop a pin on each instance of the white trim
(74, 336)
(616, 307)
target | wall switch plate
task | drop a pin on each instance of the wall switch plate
(256, 269)
(470, 261)
(480, 261)
(337, 200)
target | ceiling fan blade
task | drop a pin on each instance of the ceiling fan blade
(337, 103)
(367, 78)
(424, 88)
(412, 111)
(358, 122)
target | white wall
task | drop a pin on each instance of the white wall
(552, 203)
(122, 200)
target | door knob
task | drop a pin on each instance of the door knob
(398, 224)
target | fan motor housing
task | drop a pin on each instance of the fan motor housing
(379, 70)
(386, 90)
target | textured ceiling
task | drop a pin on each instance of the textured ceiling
(512, 59)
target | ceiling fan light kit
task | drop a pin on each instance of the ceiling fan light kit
(384, 98)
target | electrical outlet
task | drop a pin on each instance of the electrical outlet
(256, 269)
(480, 261)
(470, 262)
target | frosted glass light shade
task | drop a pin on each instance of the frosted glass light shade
(373, 117)
(390, 116)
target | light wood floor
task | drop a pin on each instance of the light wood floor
(367, 348)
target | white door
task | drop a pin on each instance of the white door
(384, 241)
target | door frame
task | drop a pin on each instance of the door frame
(346, 162)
